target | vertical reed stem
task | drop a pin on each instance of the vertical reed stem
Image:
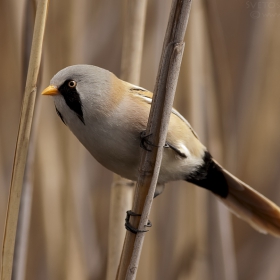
(157, 129)
(23, 141)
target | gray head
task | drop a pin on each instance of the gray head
(79, 73)
(79, 86)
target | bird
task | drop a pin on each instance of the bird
(109, 116)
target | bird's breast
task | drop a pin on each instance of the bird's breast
(116, 148)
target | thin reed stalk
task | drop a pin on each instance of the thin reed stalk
(220, 91)
(157, 129)
(21, 245)
(135, 15)
(122, 189)
(197, 118)
(121, 201)
(22, 235)
(23, 141)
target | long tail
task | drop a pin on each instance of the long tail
(249, 205)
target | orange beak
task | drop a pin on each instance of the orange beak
(50, 90)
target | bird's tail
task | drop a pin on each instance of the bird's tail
(251, 206)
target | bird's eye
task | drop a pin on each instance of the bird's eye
(72, 84)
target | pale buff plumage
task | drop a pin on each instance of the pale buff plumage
(116, 112)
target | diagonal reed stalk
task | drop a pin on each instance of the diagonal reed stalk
(157, 129)
(122, 189)
(23, 141)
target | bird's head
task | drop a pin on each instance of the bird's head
(79, 90)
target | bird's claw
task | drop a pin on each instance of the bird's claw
(144, 143)
(131, 228)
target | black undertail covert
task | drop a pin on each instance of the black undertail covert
(210, 176)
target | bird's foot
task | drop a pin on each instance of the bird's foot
(131, 228)
(144, 143)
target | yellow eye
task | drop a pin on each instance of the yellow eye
(72, 84)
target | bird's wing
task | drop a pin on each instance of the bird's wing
(146, 95)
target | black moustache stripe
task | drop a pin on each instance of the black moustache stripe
(60, 115)
(72, 99)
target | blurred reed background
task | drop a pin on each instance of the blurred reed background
(228, 89)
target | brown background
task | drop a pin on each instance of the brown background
(228, 89)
